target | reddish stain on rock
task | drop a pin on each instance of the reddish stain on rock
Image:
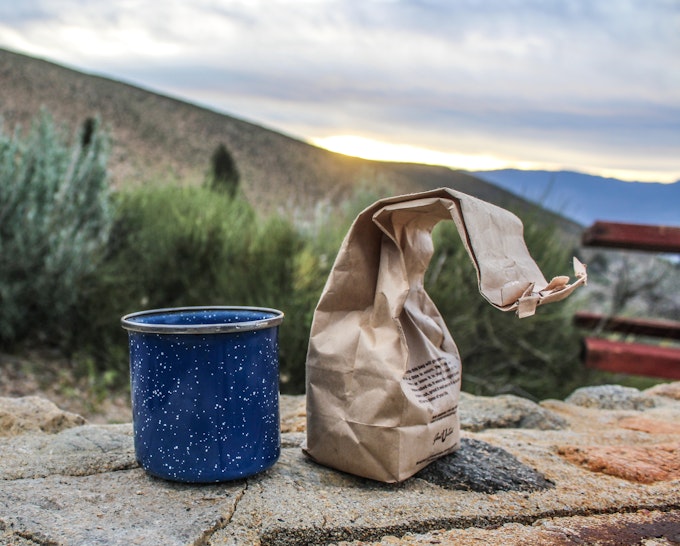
(643, 464)
(636, 529)
(651, 426)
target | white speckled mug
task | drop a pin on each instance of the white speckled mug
(205, 392)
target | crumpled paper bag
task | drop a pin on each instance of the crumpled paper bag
(383, 372)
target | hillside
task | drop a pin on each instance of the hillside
(161, 139)
(586, 198)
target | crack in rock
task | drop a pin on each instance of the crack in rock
(222, 522)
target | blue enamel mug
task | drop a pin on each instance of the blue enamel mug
(205, 391)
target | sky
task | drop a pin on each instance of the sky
(585, 85)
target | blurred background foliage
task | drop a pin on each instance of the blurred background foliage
(534, 357)
(55, 220)
(76, 257)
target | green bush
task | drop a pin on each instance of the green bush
(55, 217)
(175, 247)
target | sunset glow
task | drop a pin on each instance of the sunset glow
(367, 148)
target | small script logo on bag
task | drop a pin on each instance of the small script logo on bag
(442, 435)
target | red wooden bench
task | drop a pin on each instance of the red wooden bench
(633, 237)
(655, 360)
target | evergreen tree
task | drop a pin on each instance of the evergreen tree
(224, 176)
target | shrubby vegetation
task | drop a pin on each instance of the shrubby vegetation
(55, 217)
(173, 247)
(85, 257)
(533, 357)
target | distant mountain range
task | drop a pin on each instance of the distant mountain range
(585, 198)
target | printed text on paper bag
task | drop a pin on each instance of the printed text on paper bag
(432, 379)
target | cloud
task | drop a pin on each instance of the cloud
(525, 77)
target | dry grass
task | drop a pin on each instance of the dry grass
(51, 376)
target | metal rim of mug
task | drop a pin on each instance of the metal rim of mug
(128, 321)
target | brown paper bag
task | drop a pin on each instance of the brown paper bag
(383, 373)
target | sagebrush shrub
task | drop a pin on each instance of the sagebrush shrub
(55, 217)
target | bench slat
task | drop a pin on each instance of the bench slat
(668, 329)
(632, 236)
(632, 358)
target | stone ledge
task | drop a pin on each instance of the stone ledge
(513, 482)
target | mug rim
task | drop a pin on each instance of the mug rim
(129, 323)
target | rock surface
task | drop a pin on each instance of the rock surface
(613, 397)
(643, 464)
(670, 390)
(558, 472)
(645, 528)
(32, 413)
(80, 451)
(505, 411)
